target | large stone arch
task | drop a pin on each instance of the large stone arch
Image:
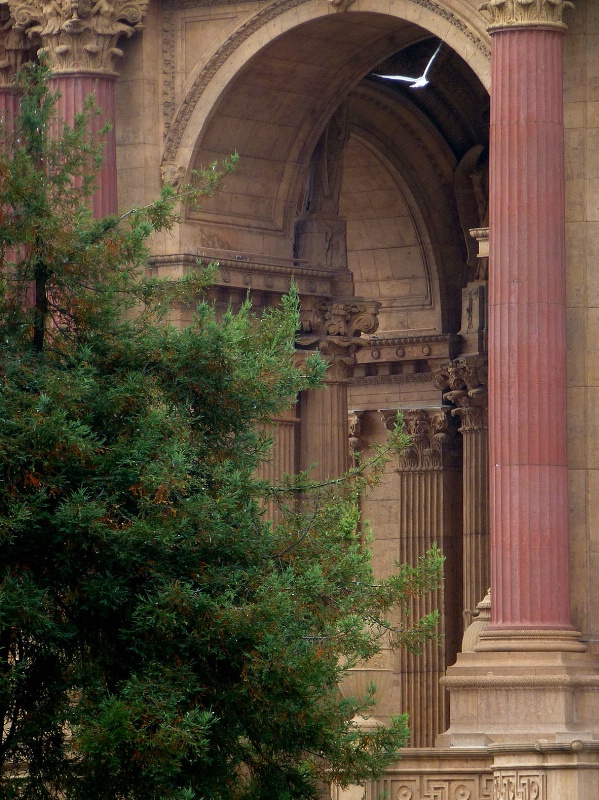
(451, 21)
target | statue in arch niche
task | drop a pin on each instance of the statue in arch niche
(325, 171)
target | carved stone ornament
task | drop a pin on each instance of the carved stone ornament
(519, 785)
(335, 327)
(79, 34)
(434, 443)
(341, 5)
(354, 419)
(526, 13)
(464, 383)
(172, 173)
(14, 47)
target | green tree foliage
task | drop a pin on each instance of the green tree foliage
(159, 639)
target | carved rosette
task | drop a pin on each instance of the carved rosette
(15, 47)
(526, 13)
(335, 328)
(79, 34)
(434, 443)
(464, 383)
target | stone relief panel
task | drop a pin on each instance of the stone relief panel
(519, 785)
(456, 787)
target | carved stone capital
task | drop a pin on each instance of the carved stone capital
(335, 327)
(434, 443)
(526, 13)
(15, 47)
(464, 383)
(79, 34)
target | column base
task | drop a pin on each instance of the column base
(521, 697)
(561, 640)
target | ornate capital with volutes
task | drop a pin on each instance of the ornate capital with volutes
(335, 328)
(434, 444)
(463, 382)
(526, 13)
(79, 35)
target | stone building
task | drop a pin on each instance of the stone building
(444, 236)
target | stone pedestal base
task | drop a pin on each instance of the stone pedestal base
(522, 697)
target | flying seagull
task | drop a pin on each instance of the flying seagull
(415, 83)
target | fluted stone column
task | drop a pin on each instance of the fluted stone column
(334, 328)
(282, 459)
(430, 510)
(80, 42)
(529, 683)
(463, 382)
(527, 333)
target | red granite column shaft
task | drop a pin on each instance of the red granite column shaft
(74, 89)
(527, 335)
(9, 106)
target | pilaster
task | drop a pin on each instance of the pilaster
(463, 382)
(334, 328)
(430, 509)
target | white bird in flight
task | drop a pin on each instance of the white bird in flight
(415, 83)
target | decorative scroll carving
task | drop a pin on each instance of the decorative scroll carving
(433, 441)
(464, 383)
(335, 328)
(79, 34)
(14, 47)
(526, 13)
(341, 319)
(519, 785)
(168, 65)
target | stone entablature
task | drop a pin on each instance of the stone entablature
(526, 13)
(79, 36)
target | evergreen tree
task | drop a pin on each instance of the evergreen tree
(159, 638)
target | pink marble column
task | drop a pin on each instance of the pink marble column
(527, 337)
(74, 88)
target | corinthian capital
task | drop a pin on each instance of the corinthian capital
(433, 441)
(335, 327)
(79, 34)
(464, 383)
(526, 13)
